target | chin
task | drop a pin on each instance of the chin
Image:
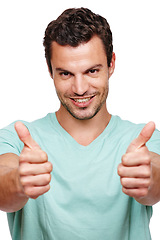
(83, 116)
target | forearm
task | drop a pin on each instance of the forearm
(11, 194)
(153, 195)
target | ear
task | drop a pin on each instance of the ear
(112, 65)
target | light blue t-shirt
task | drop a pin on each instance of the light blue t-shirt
(85, 201)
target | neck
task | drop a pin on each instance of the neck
(84, 131)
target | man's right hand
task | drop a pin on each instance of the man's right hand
(34, 168)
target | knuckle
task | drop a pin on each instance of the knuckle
(145, 171)
(148, 171)
(22, 157)
(148, 182)
(124, 190)
(23, 169)
(146, 155)
(135, 193)
(124, 159)
(147, 159)
(44, 156)
(30, 192)
(143, 192)
(144, 183)
(120, 170)
(46, 189)
(125, 184)
(123, 181)
(44, 179)
(35, 192)
(23, 181)
(48, 167)
(48, 178)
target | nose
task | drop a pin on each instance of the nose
(80, 85)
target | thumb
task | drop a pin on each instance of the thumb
(24, 135)
(143, 137)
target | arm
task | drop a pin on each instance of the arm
(23, 177)
(140, 170)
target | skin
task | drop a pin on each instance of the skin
(81, 77)
(82, 73)
(139, 169)
(26, 176)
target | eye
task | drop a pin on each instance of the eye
(65, 75)
(93, 71)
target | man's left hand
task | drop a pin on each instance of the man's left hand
(135, 169)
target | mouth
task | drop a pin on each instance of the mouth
(82, 102)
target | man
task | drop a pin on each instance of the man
(82, 196)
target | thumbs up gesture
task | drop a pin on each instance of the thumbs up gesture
(135, 169)
(34, 168)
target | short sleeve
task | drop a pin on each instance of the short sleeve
(154, 143)
(9, 141)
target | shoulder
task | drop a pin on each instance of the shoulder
(9, 141)
(128, 131)
(39, 123)
(126, 127)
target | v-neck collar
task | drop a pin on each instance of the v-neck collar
(62, 131)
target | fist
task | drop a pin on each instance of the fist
(135, 169)
(34, 168)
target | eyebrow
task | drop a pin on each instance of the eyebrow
(61, 70)
(92, 67)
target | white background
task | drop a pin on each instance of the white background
(27, 91)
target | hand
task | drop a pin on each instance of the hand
(135, 169)
(34, 168)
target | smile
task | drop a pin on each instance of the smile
(82, 102)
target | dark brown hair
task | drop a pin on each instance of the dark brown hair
(75, 26)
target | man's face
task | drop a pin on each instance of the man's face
(81, 77)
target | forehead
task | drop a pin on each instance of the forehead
(92, 51)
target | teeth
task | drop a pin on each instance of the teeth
(82, 100)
